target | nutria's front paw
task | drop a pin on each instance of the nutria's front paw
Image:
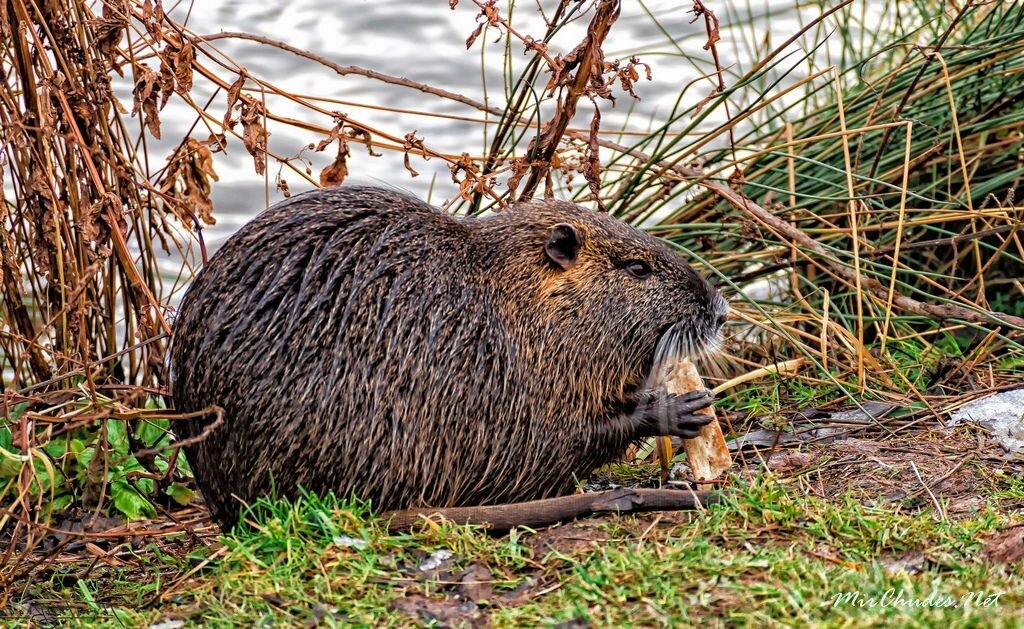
(674, 415)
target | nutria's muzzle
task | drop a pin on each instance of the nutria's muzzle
(695, 335)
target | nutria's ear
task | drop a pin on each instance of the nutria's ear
(563, 245)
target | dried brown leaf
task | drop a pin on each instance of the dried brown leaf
(87, 226)
(519, 168)
(187, 182)
(109, 32)
(234, 91)
(335, 173)
(627, 75)
(152, 15)
(468, 183)
(358, 133)
(217, 142)
(535, 45)
(254, 133)
(147, 94)
(166, 79)
(412, 142)
(117, 105)
(5, 21)
(324, 143)
(472, 36)
(202, 159)
(592, 163)
(710, 22)
(704, 101)
(183, 68)
(83, 110)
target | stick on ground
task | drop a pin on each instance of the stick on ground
(553, 510)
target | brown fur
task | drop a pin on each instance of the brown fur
(364, 342)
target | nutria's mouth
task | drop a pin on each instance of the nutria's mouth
(680, 340)
(684, 339)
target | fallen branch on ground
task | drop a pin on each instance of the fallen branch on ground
(553, 510)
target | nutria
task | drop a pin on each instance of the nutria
(362, 341)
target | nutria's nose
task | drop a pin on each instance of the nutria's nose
(720, 309)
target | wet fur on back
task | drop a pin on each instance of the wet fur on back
(362, 341)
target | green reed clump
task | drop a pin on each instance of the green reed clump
(891, 175)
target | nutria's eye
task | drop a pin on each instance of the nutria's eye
(638, 269)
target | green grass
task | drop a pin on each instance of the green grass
(770, 556)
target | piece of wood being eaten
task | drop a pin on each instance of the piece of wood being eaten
(708, 453)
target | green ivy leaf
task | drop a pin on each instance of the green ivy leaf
(9, 468)
(129, 502)
(117, 437)
(56, 448)
(60, 503)
(181, 494)
(145, 485)
(16, 412)
(84, 459)
(153, 432)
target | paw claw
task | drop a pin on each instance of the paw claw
(698, 394)
(675, 415)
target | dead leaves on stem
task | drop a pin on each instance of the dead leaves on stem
(582, 72)
(154, 89)
(588, 63)
(253, 115)
(176, 68)
(147, 94)
(342, 132)
(187, 180)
